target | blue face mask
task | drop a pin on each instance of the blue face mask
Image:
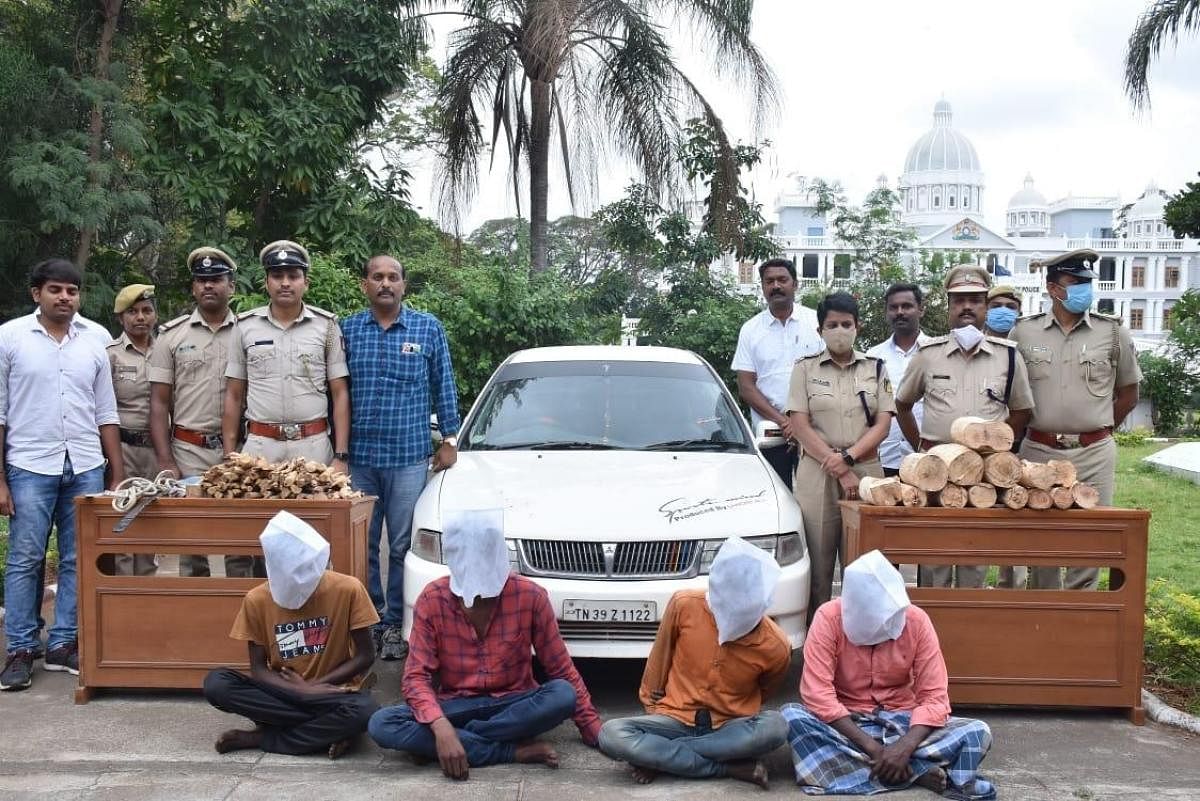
(1079, 298)
(1001, 319)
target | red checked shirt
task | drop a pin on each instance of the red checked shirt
(445, 652)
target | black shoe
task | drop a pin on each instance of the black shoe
(393, 646)
(18, 670)
(63, 658)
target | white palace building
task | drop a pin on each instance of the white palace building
(1143, 268)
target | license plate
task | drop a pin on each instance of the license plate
(610, 611)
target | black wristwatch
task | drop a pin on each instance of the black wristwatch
(846, 457)
(341, 456)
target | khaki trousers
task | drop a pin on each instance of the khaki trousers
(193, 460)
(818, 493)
(139, 462)
(317, 447)
(1096, 465)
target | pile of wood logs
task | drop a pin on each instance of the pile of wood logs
(242, 476)
(979, 470)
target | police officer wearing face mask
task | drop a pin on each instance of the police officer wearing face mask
(840, 406)
(1084, 373)
(1003, 309)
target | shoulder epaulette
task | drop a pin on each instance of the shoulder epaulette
(167, 326)
(1033, 316)
(247, 314)
(1112, 318)
(110, 344)
(328, 315)
(1008, 343)
(942, 340)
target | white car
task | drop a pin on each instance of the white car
(620, 471)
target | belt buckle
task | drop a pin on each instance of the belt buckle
(290, 430)
(1068, 441)
(213, 441)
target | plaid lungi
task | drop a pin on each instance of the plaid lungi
(826, 762)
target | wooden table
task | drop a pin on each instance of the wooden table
(170, 630)
(1024, 647)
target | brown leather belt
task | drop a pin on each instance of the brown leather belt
(287, 431)
(139, 439)
(1067, 441)
(200, 438)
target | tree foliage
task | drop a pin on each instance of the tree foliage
(872, 231)
(1168, 384)
(1182, 213)
(1162, 21)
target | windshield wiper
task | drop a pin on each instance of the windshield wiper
(696, 445)
(555, 445)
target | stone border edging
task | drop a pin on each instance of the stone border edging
(1161, 712)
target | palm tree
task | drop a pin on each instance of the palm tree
(1163, 20)
(598, 75)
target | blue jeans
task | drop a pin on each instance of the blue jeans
(487, 727)
(38, 501)
(662, 743)
(397, 489)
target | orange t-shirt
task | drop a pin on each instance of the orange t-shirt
(315, 638)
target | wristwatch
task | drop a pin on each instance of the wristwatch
(341, 456)
(451, 440)
(846, 457)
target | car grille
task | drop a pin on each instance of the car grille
(608, 632)
(603, 560)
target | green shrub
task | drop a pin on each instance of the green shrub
(1131, 438)
(1173, 637)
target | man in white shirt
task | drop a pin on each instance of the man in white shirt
(769, 345)
(904, 306)
(58, 424)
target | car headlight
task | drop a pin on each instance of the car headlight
(427, 544)
(768, 544)
(790, 548)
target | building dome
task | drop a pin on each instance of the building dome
(1150, 206)
(1027, 197)
(1028, 212)
(942, 147)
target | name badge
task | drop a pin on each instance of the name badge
(820, 382)
(264, 342)
(410, 347)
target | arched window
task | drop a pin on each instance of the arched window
(952, 200)
(1022, 218)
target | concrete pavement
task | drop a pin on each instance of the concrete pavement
(134, 746)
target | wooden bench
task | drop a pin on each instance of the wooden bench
(170, 630)
(1064, 648)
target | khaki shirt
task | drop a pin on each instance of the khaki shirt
(833, 396)
(954, 385)
(1074, 373)
(131, 382)
(286, 368)
(191, 357)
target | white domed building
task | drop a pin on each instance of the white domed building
(942, 180)
(1144, 219)
(1028, 212)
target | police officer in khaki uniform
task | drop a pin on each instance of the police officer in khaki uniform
(129, 356)
(1084, 373)
(964, 373)
(286, 365)
(187, 375)
(840, 406)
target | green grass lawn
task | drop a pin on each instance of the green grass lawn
(1174, 505)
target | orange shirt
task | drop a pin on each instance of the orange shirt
(907, 673)
(315, 638)
(730, 680)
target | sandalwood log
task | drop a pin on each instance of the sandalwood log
(1086, 496)
(879, 491)
(1064, 473)
(963, 465)
(985, 436)
(981, 496)
(1039, 499)
(1002, 469)
(1015, 497)
(1036, 475)
(924, 471)
(913, 496)
(950, 496)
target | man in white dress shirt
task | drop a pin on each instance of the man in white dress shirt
(904, 306)
(769, 345)
(58, 425)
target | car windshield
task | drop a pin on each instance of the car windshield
(598, 405)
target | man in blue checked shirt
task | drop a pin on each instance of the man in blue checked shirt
(399, 371)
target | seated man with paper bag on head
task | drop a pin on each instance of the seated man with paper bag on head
(715, 659)
(876, 709)
(472, 698)
(309, 634)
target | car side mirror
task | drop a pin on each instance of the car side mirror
(767, 435)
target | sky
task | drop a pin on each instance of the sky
(1036, 85)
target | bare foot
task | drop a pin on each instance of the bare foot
(537, 752)
(749, 770)
(340, 747)
(239, 739)
(933, 779)
(644, 775)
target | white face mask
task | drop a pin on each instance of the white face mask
(474, 550)
(967, 337)
(741, 583)
(873, 600)
(296, 557)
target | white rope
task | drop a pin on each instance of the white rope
(133, 489)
